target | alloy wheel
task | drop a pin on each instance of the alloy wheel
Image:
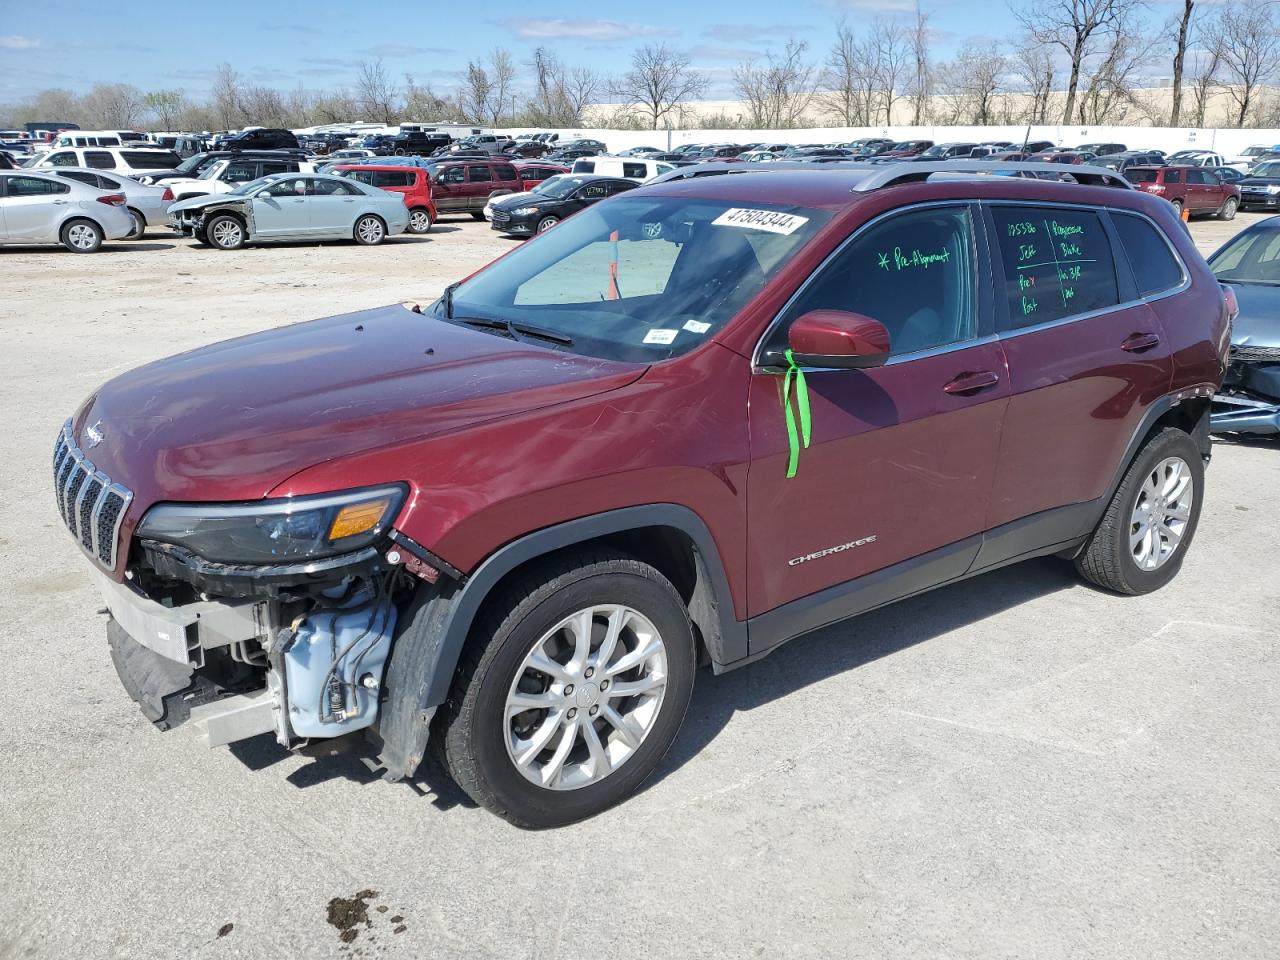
(369, 230)
(227, 233)
(82, 236)
(1161, 515)
(585, 697)
(420, 221)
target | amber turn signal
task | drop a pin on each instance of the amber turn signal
(358, 518)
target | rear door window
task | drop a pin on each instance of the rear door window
(1057, 263)
(392, 178)
(914, 272)
(1172, 176)
(147, 160)
(505, 171)
(241, 171)
(1154, 266)
(638, 170)
(479, 173)
(64, 159)
(99, 159)
(1141, 176)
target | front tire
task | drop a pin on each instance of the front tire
(546, 223)
(370, 231)
(477, 215)
(572, 690)
(1139, 544)
(226, 232)
(81, 236)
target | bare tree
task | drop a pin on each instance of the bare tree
(978, 78)
(115, 106)
(780, 90)
(376, 92)
(502, 77)
(1110, 90)
(1249, 45)
(226, 97)
(891, 54)
(560, 94)
(1205, 66)
(1033, 64)
(423, 103)
(1072, 25)
(842, 79)
(659, 81)
(475, 98)
(1180, 58)
(920, 82)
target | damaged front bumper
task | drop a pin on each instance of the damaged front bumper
(1249, 401)
(237, 668)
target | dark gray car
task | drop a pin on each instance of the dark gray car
(1249, 266)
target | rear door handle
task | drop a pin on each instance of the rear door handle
(1137, 342)
(972, 382)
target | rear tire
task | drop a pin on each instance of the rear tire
(369, 231)
(575, 758)
(81, 236)
(477, 215)
(1229, 207)
(226, 232)
(139, 225)
(1139, 544)
(420, 220)
(1177, 207)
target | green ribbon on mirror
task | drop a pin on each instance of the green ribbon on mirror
(794, 437)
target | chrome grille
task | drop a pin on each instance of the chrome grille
(91, 505)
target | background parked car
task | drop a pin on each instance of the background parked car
(1261, 189)
(463, 186)
(535, 171)
(227, 173)
(1101, 149)
(147, 204)
(1188, 188)
(1120, 162)
(413, 184)
(131, 161)
(902, 149)
(569, 194)
(1249, 264)
(260, 138)
(292, 207)
(37, 206)
(632, 168)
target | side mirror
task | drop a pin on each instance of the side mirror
(839, 339)
(262, 195)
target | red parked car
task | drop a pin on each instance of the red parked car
(412, 183)
(1193, 189)
(533, 172)
(1056, 156)
(464, 186)
(689, 424)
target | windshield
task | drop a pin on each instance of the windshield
(640, 278)
(1270, 169)
(211, 170)
(1252, 257)
(937, 151)
(558, 188)
(253, 186)
(192, 163)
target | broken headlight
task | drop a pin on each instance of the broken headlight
(276, 531)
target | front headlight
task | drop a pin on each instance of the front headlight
(285, 530)
(524, 211)
(1273, 189)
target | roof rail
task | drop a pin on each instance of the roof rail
(888, 174)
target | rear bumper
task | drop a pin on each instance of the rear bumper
(1237, 413)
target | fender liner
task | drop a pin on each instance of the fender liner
(432, 632)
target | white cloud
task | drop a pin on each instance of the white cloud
(14, 42)
(554, 28)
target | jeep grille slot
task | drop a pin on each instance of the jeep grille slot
(91, 505)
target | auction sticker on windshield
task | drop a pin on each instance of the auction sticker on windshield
(768, 220)
(661, 336)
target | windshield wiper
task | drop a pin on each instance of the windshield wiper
(515, 330)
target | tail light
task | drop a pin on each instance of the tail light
(112, 199)
(1154, 188)
(167, 196)
(1233, 305)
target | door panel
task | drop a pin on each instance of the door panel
(902, 457)
(893, 457)
(1083, 366)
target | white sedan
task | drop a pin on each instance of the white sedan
(148, 205)
(292, 206)
(40, 207)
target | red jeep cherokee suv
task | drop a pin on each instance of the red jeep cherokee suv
(691, 423)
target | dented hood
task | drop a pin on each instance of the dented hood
(233, 420)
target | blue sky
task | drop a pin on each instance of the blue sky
(317, 44)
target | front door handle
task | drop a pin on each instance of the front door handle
(1137, 342)
(972, 382)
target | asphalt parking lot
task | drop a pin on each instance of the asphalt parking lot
(1017, 766)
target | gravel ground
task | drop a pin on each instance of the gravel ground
(1020, 766)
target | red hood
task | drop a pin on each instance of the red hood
(233, 420)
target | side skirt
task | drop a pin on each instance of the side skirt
(1062, 530)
